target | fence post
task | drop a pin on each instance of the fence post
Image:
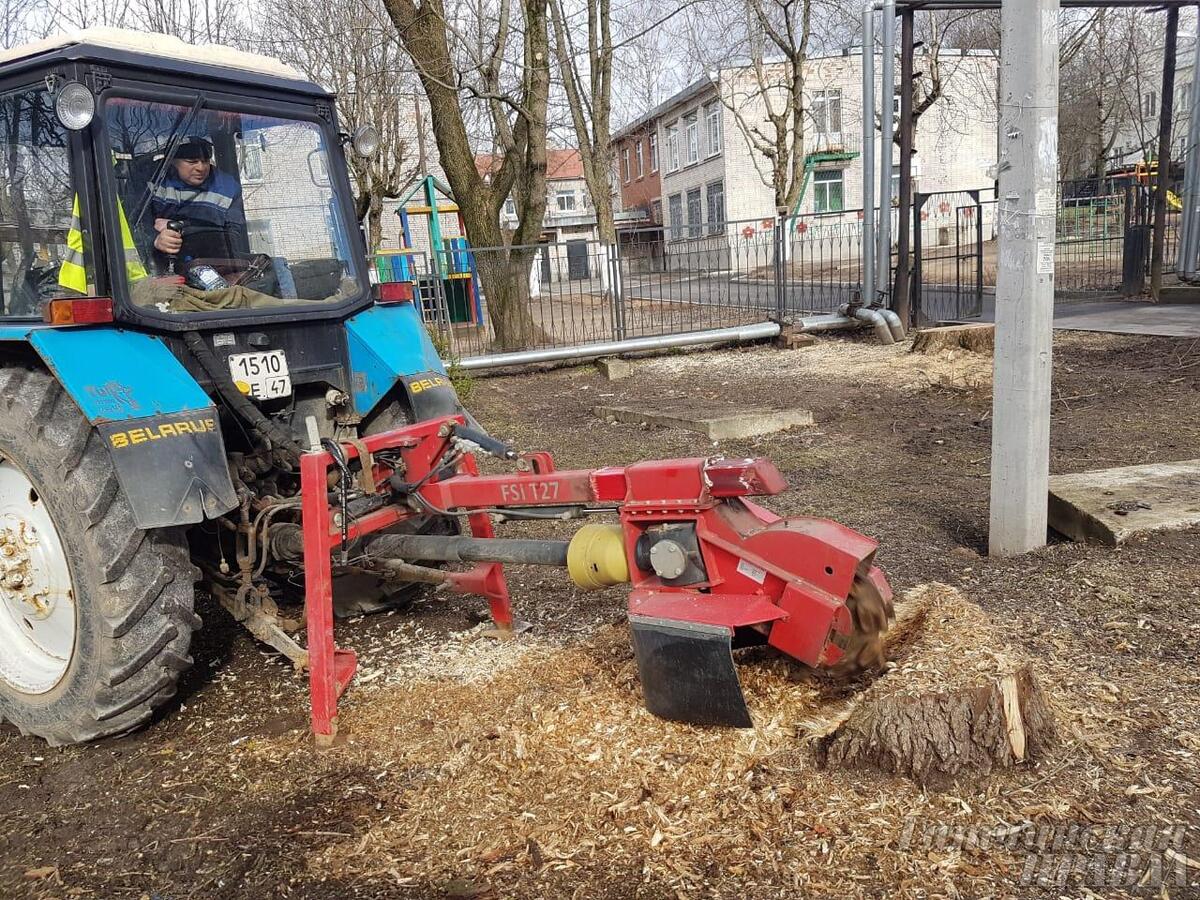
(915, 289)
(781, 223)
(617, 286)
(978, 308)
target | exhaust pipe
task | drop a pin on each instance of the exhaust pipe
(872, 316)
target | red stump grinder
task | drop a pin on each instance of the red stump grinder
(709, 569)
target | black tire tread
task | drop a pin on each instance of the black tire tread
(142, 582)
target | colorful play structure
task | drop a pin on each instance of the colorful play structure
(451, 261)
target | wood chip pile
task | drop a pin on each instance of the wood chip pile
(524, 784)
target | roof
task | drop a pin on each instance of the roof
(561, 165)
(709, 81)
(156, 45)
(696, 87)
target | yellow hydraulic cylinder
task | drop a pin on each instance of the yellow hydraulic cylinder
(596, 557)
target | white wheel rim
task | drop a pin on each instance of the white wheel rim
(37, 605)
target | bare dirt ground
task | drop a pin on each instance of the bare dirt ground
(529, 769)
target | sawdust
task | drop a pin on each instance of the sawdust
(555, 769)
(851, 362)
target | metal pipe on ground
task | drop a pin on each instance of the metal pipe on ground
(894, 323)
(872, 317)
(761, 331)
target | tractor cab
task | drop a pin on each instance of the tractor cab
(115, 138)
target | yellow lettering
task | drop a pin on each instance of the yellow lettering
(166, 429)
(183, 428)
(210, 424)
(137, 435)
(119, 440)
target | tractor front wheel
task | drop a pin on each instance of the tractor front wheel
(95, 614)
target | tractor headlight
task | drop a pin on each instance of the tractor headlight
(365, 141)
(75, 106)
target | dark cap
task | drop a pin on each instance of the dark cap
(193, 148)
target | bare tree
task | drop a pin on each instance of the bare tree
(195, 21)
(589, 98)
(352, 48)
(460, 76)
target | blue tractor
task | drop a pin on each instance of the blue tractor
(199, 384)
(185, 308)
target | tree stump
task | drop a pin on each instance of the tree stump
(956, 700)
(976, 338)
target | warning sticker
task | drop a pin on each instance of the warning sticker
(754, 573)
(1045, 257)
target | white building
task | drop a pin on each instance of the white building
(715, 179)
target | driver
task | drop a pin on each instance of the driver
(206, 200)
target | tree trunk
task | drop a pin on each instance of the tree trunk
(957, 703)
(1164, 153)
(374, 222)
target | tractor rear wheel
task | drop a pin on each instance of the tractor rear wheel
(95, 614)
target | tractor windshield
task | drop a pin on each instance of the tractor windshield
(223, 210)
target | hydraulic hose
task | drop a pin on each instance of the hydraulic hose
(267, 429)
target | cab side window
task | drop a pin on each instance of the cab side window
(43, 247)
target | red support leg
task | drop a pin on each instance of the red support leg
(329, 669)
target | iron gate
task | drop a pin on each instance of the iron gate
(950, 233)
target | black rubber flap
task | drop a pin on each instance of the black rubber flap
(687, 672)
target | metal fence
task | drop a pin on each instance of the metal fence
(703, 276)
(651, 283)
(955, 248)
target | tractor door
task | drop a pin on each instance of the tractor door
(45, 246)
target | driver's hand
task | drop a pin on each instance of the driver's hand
(168, 241)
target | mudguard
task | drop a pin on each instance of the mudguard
(388, 345)
(159, 425)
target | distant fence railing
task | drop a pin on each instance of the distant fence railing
(709, 275)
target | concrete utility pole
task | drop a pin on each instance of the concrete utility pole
(1025, 282)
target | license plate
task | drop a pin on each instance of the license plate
(264, 376)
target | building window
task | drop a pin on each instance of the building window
(895, 185)
(896, 108)
(641, 169)
(694, 214)
(654, 153)
(827, 111)
(565, 200)
(673, 148)
(693, 138)
(656, 211)
(252, 160)
(716, 207)
(675, 210)
(712, 119)
(1149, 104)
(510, 208)
(827, 191)
(625, 164)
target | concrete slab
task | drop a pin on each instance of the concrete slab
(614, 368)
(717, 423)
(1111, 505)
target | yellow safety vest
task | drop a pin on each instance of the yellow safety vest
(73, 276)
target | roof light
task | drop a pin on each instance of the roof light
(75, 106)
(365, 141)
(86, 311)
